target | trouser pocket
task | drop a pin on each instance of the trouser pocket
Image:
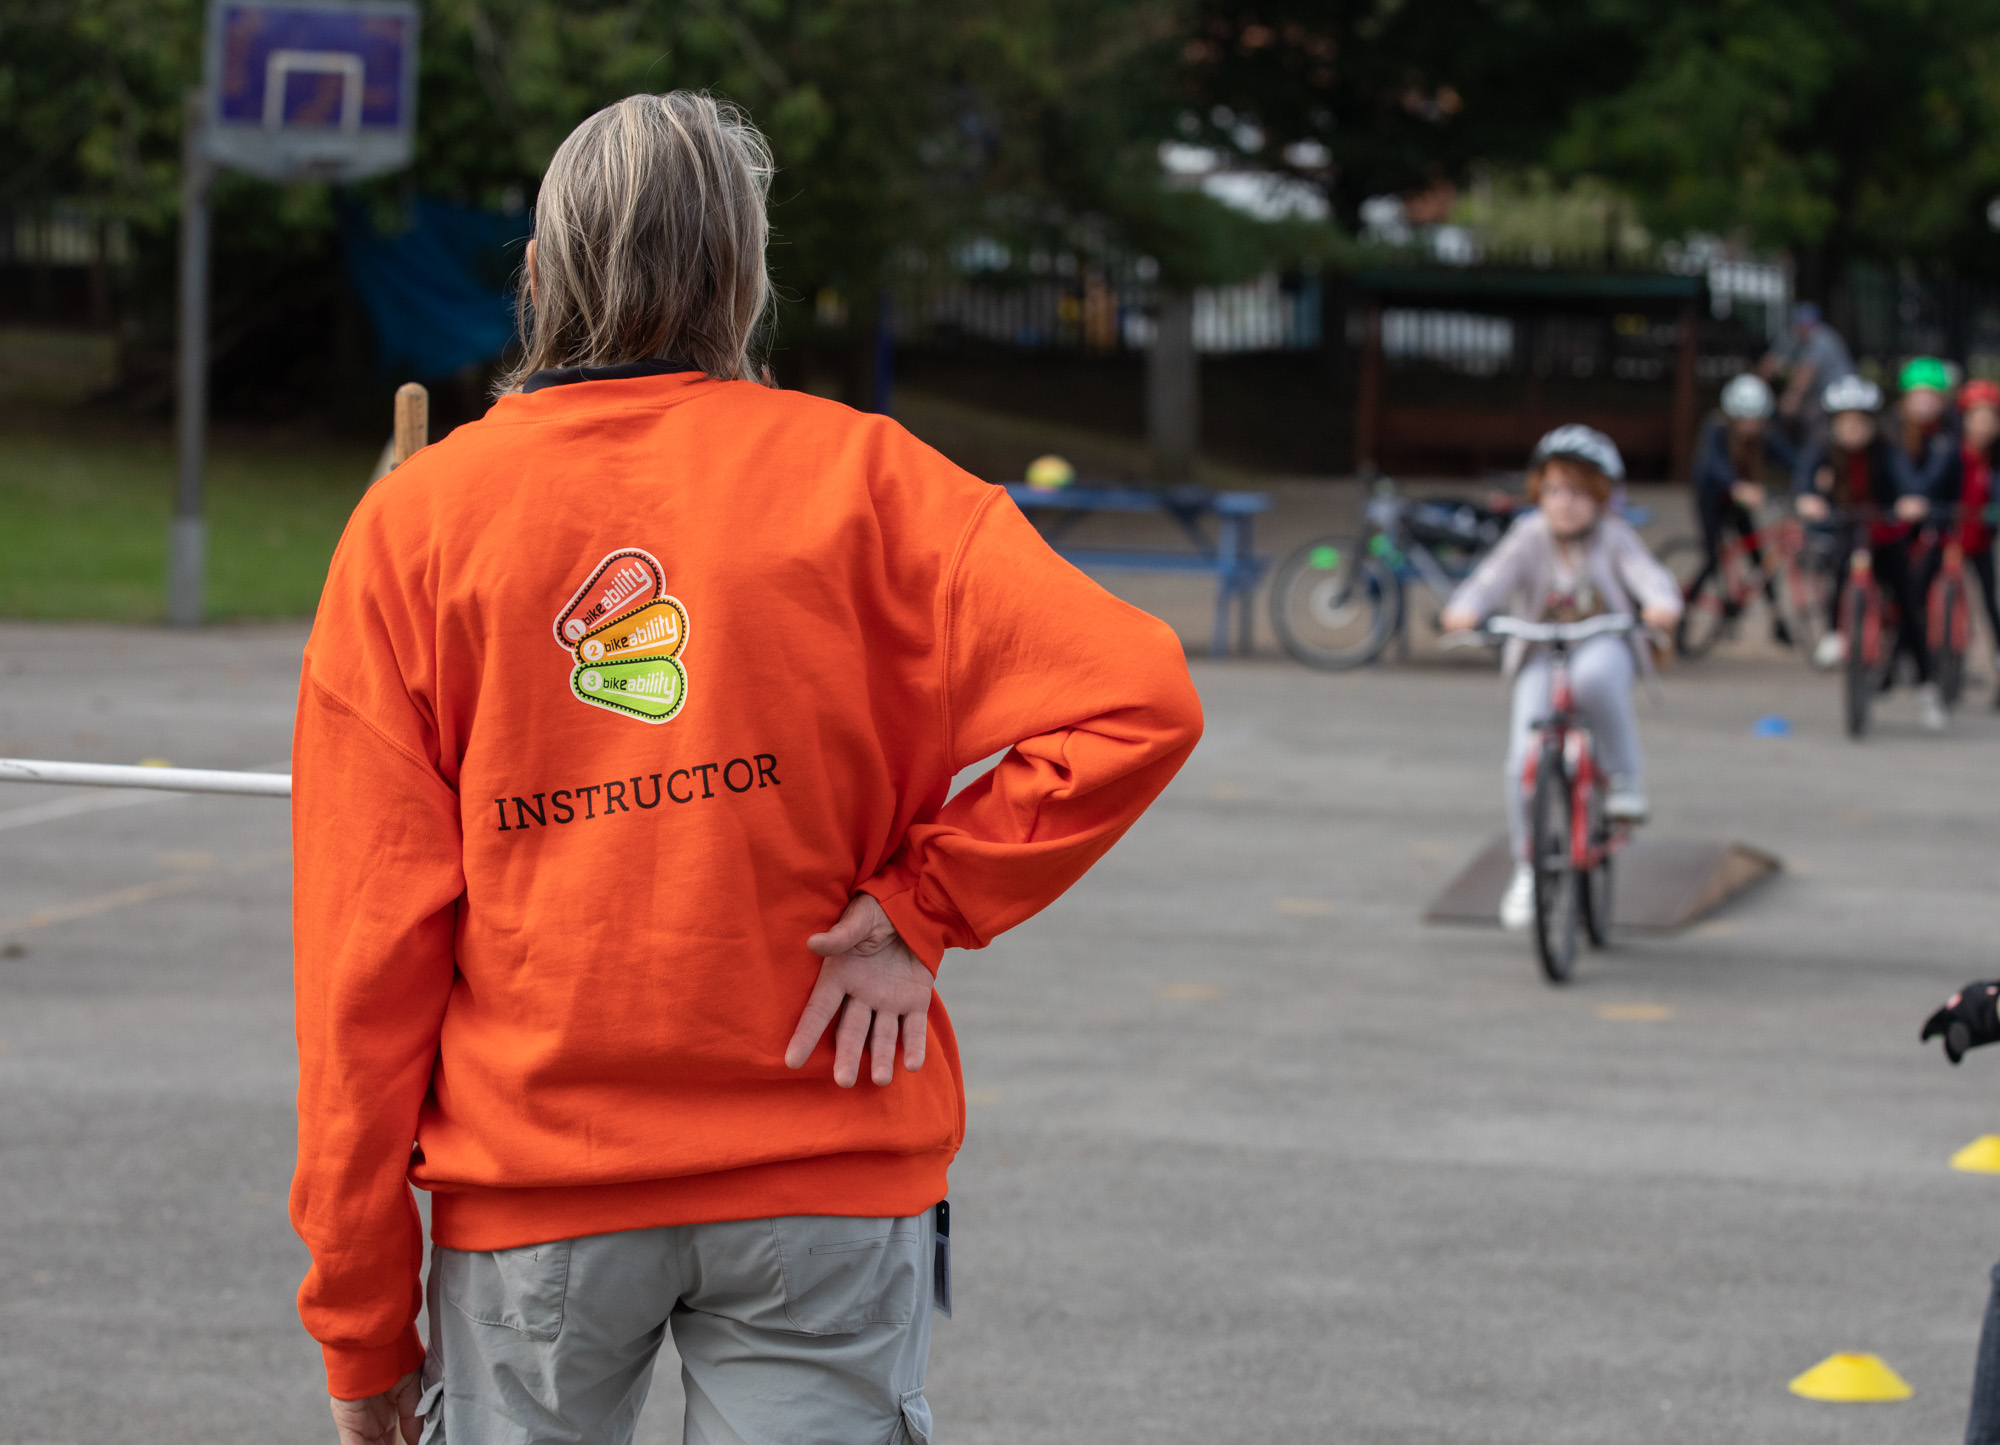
(524, 1289)
(840, 1274)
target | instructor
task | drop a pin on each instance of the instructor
(624, 857)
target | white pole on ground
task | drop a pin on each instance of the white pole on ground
(187, 542)
(166, 780)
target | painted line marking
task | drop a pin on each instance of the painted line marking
(1635, 1013)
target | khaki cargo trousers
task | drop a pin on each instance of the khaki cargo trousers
(804, 1330)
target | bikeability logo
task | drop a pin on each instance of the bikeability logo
(625, 636)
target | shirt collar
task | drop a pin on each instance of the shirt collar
(565, 375)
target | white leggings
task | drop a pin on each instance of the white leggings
(1601, 672)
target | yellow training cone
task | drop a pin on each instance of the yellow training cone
(1851, 1379)
(1981, 1156)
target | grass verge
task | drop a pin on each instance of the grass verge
(84, 511)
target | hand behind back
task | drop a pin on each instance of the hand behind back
(883, 987)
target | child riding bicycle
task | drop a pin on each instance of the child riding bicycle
(1570, 559)
(1879, 496)
(1742, 452)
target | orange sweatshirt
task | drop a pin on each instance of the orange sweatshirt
(613, 697)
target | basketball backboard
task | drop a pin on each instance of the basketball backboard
(311, 89)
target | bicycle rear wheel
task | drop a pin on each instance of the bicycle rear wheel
(1859, 683)
(1706, 613)
(1595, 884)
(1556, 890)
(1333, 605)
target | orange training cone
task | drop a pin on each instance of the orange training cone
(1852, 1379)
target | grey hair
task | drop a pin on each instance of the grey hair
(649, 241)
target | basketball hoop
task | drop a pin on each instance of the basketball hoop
(311, 89)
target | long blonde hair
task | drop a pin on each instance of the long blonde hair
(649, 241)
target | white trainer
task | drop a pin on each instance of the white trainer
(1831, 651)
(1625, 802)
(1930, 708)
(1517, 904)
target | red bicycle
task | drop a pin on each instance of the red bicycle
(1869, 617)
(1793, 575)
(1571, 842)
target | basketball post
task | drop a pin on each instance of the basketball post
(187, 543)
(292, 90)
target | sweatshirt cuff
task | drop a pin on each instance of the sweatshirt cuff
(355, 1373)
(899, 900)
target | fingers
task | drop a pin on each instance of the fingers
(820, 1009)
(848, 1041)
(914, 1038)
(882, 1049)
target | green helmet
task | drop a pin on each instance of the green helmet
(1924, 373)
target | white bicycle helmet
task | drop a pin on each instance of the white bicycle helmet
(1585, 444)
(1851, 393)
(1747, 398)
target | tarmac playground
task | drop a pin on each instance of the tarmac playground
(1254, 1152)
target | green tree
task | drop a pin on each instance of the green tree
(1859, 129)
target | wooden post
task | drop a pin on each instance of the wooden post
(413, 422)
(1682, 439)
(1368, 394)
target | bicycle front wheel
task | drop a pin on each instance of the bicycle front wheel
(1806, 592)
(1333, 605)
(1556, 891)
(1950, 632)
(1860, 679)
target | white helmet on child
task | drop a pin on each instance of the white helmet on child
(1585, 444)
(1851, 393)
(1747, 398)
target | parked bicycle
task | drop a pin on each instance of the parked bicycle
(1571, 841)
(1338, 601)
(1785, 563)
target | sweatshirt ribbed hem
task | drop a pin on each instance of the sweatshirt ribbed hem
(875, 1185)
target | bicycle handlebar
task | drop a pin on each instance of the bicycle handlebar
(1607, 624)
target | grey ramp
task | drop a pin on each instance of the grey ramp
(1659, 883)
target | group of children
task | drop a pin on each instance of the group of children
(1898, 485)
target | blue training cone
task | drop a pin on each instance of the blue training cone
(1771, 726)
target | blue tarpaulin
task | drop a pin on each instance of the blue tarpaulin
(438, 288)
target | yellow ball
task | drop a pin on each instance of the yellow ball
(1050, 473)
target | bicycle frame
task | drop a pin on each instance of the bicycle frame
(1579, 760)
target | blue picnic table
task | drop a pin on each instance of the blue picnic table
(1228, 555)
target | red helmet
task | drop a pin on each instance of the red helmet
(1979, 393)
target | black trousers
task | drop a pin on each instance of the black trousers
(1903, 584)
(1720, 514)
